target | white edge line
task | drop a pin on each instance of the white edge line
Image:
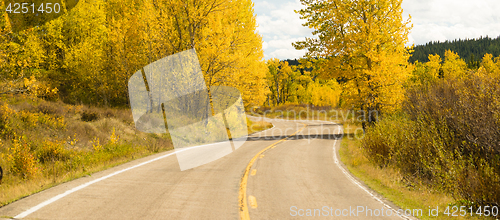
(62, 195)
(349, 176)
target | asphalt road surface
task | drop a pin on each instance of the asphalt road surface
(269, 177)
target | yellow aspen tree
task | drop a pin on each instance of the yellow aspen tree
(33, 53)
(364, 44)
(134, 40)
(303, 81)
(224, 35)
(90, 51)
(7, 58)
(231, 52)
(453, 66)
(251, 70)
(433, 66)
(273, 80)
(278, 78)
(491, 67)
(83, 77)
(316, 67)
(4, 30)
(54, 43)
(497, 61)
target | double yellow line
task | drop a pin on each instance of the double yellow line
(242, 198)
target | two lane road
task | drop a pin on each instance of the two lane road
(295, 178)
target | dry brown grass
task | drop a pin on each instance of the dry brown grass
(64, 146)
(64, 142)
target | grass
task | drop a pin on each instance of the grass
(390, 184)
(386, 181)
(67, 142)
(256, 126)
(43, 144)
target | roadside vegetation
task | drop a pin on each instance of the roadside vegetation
(396, 186)
(436, 123)
(90, 52)
(257, 126)
(64, 104)
(441, 148)
(431, 127)
(447, 134)
(44, 143)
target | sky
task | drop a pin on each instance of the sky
(433, 20)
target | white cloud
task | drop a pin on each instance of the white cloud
(433, 20)
(280, 26)
(265, 45)
(282, 42)
(284, 54)
(282, 48)
(440, 20)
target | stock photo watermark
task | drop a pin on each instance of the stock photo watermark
(348, 121)
(206, 123)
(357, 211)
(364, 211)
(171, 95)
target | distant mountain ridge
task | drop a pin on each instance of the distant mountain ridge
(471, 50)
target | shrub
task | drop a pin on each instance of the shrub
(109, 113)
(50, 108)
(51, 151)
(448, 138)
(89, 116)
(22, 161)
(381, 141)
(40, 89)
(5, 114)
(32, 120)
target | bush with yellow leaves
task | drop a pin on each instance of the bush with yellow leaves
(40, 89)
(21, 159)
(447, 136)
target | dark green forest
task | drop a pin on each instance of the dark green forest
(471, 50)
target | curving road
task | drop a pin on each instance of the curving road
(269, 177)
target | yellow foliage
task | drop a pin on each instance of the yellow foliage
(490, 67)
(21, 159)
(96, 145)
(73, 141)
(34, 119)
(279, 78)
(5, 114)
(433, 65)
(453, 66)
(51, 151)
(325, 95)
(114, 138)
(364, 42)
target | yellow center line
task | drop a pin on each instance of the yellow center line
(242, 198)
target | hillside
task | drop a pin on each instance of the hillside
(468, 49)
(44, 143)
